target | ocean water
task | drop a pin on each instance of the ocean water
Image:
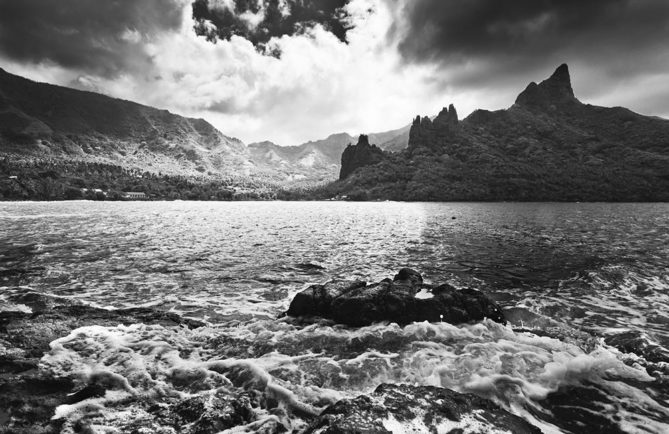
(568, 276)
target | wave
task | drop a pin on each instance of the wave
(298, 371)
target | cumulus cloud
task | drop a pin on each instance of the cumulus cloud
(261, 20)
(356, 66)
(319, 85)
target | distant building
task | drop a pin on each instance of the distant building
(94, 191)
(134, 195)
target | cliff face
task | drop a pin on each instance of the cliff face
(432, 134)
(359, 155)
(549, 94)
(546, 146)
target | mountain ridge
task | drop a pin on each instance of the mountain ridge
(42, 120)
(58, 138)
(318, 160)
(56, 121)
(547, 146)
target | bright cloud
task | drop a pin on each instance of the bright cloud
(317, 83)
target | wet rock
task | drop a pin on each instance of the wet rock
(212, 413)
(27, 402)
(403, 408)
(32, 332)
(569, 406)
(403, 300)
(28, 396)
(408, 275)
(640, 344)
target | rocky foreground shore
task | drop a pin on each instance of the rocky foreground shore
(30, 394)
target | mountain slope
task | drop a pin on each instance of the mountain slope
(316, 161)
(54, 123)
(547, 146)
(43, 120)
(319, 160)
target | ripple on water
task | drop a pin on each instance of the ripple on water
(567, 273)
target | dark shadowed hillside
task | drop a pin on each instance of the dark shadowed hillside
(52, 129)
(547, 146)
(46, 121)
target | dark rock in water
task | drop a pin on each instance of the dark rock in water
(317, 299)
(569, 406)
(408, 275)
(403, 300)
(640, 344)
(402, 408)
(28, 396)
(29, 401)
(214, 413)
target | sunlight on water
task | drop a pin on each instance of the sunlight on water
(568, 275)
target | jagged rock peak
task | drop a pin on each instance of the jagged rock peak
(447, 116)
(452, 112)
(561, 75)
(362, 154)
(554, 90)
(363, 140)
(559, 84)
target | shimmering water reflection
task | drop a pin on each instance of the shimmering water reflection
(594, 265)
(566, 274)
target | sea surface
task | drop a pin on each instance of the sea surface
(568, 276)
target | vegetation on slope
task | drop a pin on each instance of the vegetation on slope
(547, 147)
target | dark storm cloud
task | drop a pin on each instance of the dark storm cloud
(276, 18)
(104, 37)
(521, 35)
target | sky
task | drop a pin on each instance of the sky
(296, 70)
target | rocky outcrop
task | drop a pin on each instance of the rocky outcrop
(547, 146)
(403, 300)
(651, 355)
(359, 155)
(434, 134)
(402, 408)
(550, 93)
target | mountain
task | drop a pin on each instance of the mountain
(393, 140)
(61, 131)
(360, 155)
(316, 161)
(46, 121)
(547, 146)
